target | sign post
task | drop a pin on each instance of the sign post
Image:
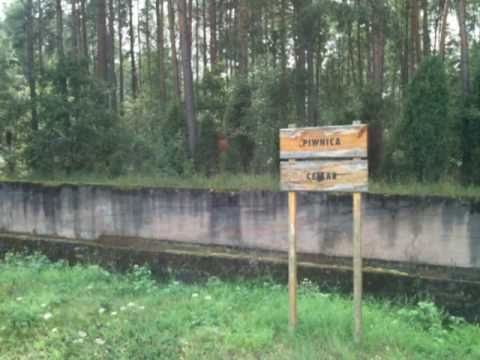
(357, 267)
(292, 255)
(329, 158)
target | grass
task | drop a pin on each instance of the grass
(443, 188)
(55, 311)
(218, 182)
(230, 182)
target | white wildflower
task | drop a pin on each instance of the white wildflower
(19, 298)
(99, 341)
(78, 341)
(194, 295)
(131, 304)
(113, 313)
(208, 297)
(47, 316)
(82, 334)
(43, 305)
(141, 307)
(123, 308)
(101, 310)
(54, 330)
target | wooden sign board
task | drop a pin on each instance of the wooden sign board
(324, 175)
(329, 158)
(324, 142)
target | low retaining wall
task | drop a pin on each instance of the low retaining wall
(417, 230)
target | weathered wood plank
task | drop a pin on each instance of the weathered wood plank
(324, 142)
(324, 175)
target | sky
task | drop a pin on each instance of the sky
(3, 7)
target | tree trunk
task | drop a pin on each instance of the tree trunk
(112, 79)
(299, 62)
(283, 39)
(120, 51)
(148, 43)
(378, 36)
(173, 46)
(75, 30)
(84, 30)
(426, 29)
(212, 14)
(443, 31)
(359, 46)
(464, 50)
(204, 35)
(60, 48)
(30, 65)
(186, 46)
(139, 57)
(415, 54)
(404, 66)
(40, 37)
(160, 48)
(197, 41)
(131, 35)
(311, 86)
(101, 68)
(243, 25)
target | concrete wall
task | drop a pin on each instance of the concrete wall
(407, 229)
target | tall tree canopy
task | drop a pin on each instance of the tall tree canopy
(150, 85)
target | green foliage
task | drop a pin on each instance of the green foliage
(77, 131)
(206, 152)
(154, 140)
(471, 132)
(268, 112)
(424, 134)
(238, 128)
(85, 312)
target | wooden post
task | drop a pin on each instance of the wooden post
(357, 267)
(292, 256)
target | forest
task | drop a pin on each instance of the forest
(201, 87)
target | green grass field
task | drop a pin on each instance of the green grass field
(55, 311)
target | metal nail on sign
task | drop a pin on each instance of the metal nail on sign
(330, 158)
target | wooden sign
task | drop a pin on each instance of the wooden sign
(324, 142)
(330, 158)
(324, 175)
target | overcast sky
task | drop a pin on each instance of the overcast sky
(3, 6)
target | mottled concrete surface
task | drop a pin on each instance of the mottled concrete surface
(418, 230)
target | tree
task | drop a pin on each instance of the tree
(185, 28)
(212, 15)
(160, 48)
(30, 64)
(464, 61)
(131, 35)
(243, 37)
(471, 133)
(101, 67)
(120, 25)
(425, 131)
(173, 47)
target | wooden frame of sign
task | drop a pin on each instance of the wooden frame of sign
(329, 158)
